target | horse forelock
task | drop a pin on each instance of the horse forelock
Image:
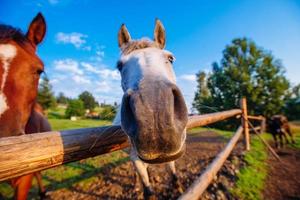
(137, 44)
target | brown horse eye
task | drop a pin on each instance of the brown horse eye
(119, 65)
(39, 71)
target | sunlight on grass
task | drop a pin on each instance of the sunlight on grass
(64, 124)
(295, 128)
(251, 178)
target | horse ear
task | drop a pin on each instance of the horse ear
(36, 30)
(123, 36)
(159, 34)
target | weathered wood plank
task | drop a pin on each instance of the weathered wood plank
(202, 120)
(202, 182)
(245, 123)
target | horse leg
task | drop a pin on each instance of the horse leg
(175, 179)
(280, 139)
(22, 186)
(42, 190)
(275, 140)
(141, 168)
(285, 136)
(288, 130)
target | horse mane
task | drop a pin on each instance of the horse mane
(38, 108)
(10, 33)
(137, 44)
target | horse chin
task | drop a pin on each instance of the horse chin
(164, 158)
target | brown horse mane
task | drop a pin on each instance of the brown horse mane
(38, 108)
(137, 44)
(8, 33)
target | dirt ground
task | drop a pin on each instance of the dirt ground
(283, 182)
(120, 182)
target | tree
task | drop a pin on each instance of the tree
(45, 95)
(292, 109)
(62, 99)
(245, 71)
(75, 108)
(108, 112)
(202, 95)
(88, 100)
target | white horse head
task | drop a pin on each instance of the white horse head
(153, 112)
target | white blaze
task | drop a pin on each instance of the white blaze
(7, 53)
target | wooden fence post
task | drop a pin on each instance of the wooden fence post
(263, 125)
(243, 105)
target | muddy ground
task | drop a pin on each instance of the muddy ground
(283, 182)
(120, 182)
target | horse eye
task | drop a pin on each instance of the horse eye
(39, 71)
(119, 65)
(171, 59)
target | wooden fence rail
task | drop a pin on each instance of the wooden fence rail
(29, 153)
(202, 182)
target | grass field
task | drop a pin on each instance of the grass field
(64, 124)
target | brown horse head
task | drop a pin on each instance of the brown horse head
(20, 69)
(153, 112)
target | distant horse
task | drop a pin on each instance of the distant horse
(20, 70)
(37, 123)
(278, 126)
(153, 112)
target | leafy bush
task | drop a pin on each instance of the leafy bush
(75, 108)
(108, 112)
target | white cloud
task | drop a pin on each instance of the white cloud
(103, 73)
(107, 73)
(76, 39)
(68, 66)
(72, 77)
(188, 77)
(81, 79)
(100, 53)
(89, 67)
(102, 86)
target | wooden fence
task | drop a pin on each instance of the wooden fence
(30, 153)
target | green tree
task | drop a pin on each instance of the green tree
(292, 109)
(88, 100)
(45, 95)
(202, 95)
(245, 71)
(108, 112)
(75, 108)
(62, 99)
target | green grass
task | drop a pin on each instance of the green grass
(64, 124)
(56, 113)
(295, 128)
(251, 178)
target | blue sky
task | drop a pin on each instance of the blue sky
(80, 49)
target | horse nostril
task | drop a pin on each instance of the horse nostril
(180, 109)
(128, 120)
